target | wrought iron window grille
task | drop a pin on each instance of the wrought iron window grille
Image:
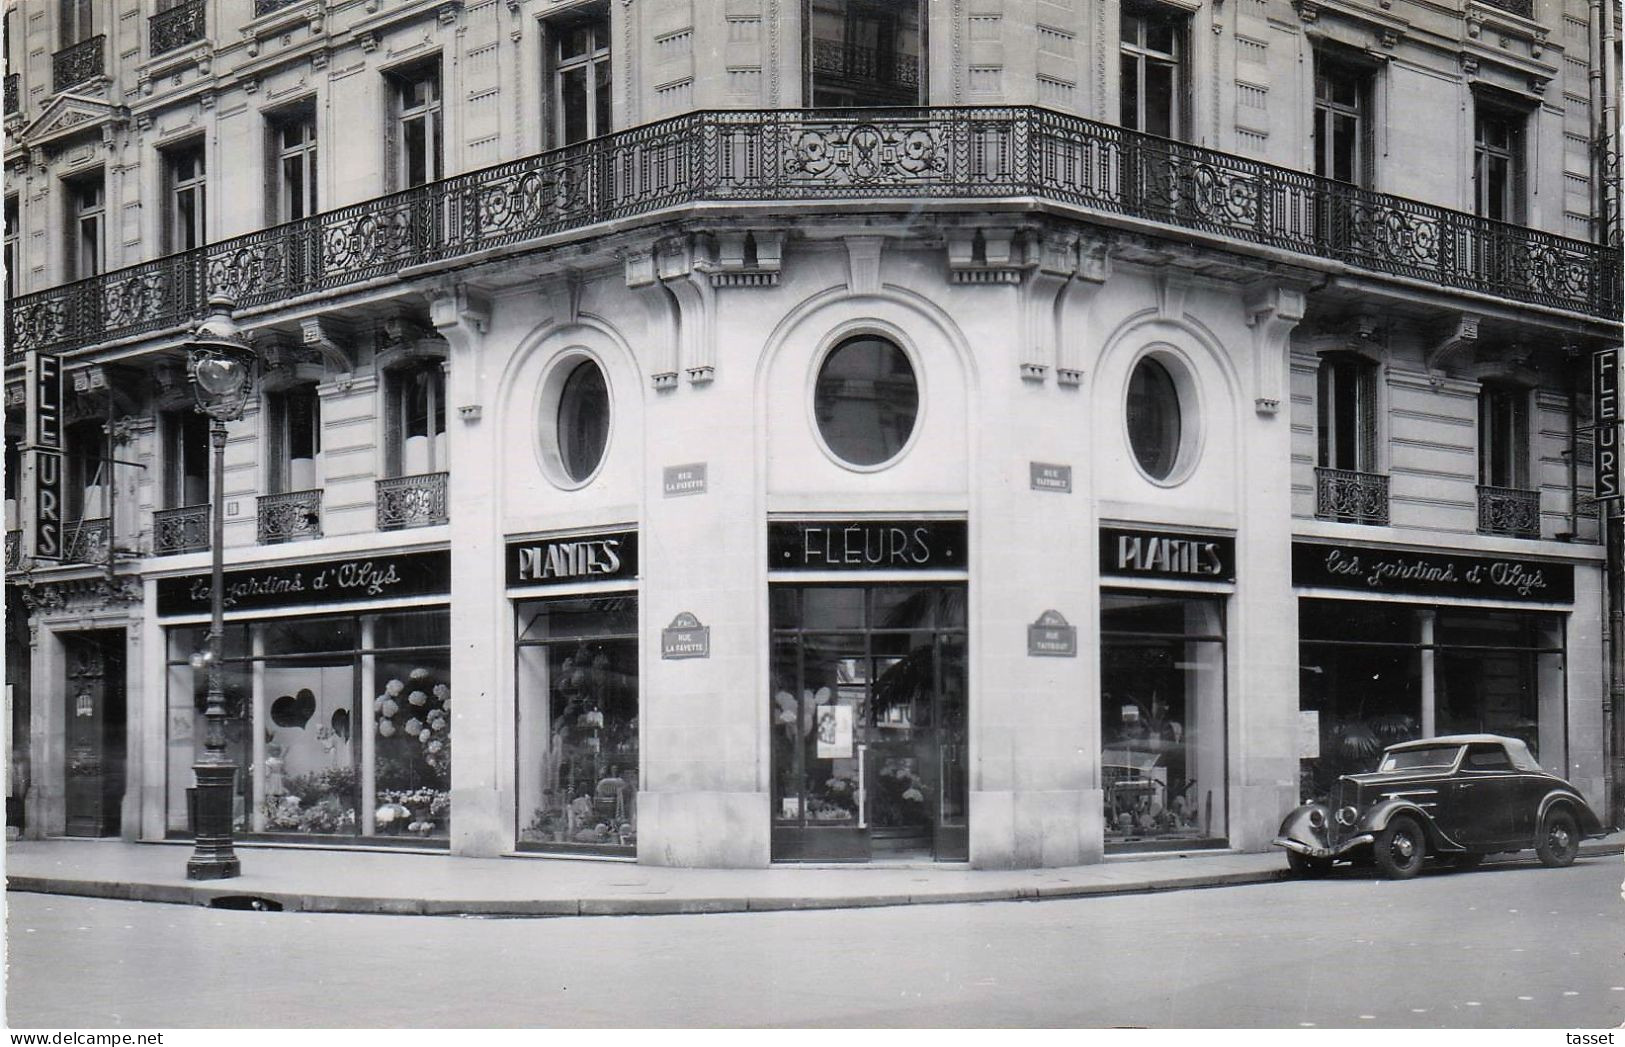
(290, 517)
(74, 65)
(180, 25)
(1508, 511)
(182, 530)
(412, 501)
(1349, 496)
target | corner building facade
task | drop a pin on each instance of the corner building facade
(1089, 429)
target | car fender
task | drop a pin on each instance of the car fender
(1590, 824)
(1296, 826)
(1376, 819)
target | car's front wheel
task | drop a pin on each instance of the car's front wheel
(1308, 868)
(1399, 849)
(1558, 840)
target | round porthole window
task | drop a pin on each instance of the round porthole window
(583, 421)
(1155, 425)
(866, 400)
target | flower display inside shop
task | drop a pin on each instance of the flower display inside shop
(418, 710)
(413, 714)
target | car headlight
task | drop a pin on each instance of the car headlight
(1347, 816)
(1317, 819)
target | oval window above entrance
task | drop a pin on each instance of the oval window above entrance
(866, 401)
(583, 421)
(1154, 421)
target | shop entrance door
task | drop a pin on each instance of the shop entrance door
(94, 693)
(868, 718)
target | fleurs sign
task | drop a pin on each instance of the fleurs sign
(1167, 554)
(1430, 574)
(685, 637)
(866, 545)
(576, 558)
(1052, 637)
(377, 577)
(45, 428)
(1605, 411)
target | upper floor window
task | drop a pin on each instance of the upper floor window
(1503, 436)
(416, 125)
(12, 225)
(1498, 163)
(185, 435)
(87, 219)
(1343, 123)
(76, 21)
(293, 178)
(581, 82)
(1347, 413)
(1153, 81)
(862, 53)
(415, 419)
(293, 426)
(84, 487)
(184, 211)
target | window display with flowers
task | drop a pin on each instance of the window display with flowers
(577, 678)
(316, 754)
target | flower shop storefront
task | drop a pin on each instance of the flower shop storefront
(867, 704)
(1373, 672)
(338, 696)
(576, 684)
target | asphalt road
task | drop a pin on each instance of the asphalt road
(1498, 947)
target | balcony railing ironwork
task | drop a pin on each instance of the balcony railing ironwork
(290, 517)
(1524, 8)
(180, 25)
(183, 530)
(901, 155)
(87, 541)
(78, 63)
(412, 501)
(14, 550)
(1508, 511)
(265, 7)
(852, 63)
(14, 93)
(1349, 496)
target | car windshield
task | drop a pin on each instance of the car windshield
(1411, 759)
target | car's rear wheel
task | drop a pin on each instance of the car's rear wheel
(1399, 849)
(1466, 861)
(1307, 867)
(1558, 840)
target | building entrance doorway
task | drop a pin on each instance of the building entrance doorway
(868, 721)
(93, 688)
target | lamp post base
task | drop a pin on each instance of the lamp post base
(211, 801)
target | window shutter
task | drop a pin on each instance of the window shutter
(1520, 179)
(1186, 87)
(1368, 132)
(392, 423)
(1323, 413)
(1368, 416)
(392, 135)
(276, 443)
(273, 176)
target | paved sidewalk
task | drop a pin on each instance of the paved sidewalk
(428, 883)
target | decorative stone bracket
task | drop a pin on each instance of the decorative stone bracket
(674, 284)
(463, 316)
(1456, 338)
(1273, 312)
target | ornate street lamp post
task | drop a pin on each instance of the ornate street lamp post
(220, 364)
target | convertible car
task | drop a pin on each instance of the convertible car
(1457, 798)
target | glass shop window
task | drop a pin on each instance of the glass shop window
(576, 675)
(1502, 672)
(339, 726)
(1162, 707)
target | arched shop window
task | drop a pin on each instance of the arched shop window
(866, 400)
(583, 421)
(340, 726)
(1155, 422)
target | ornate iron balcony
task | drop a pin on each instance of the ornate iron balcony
(412, 501)
(180, 25)
(864, 65)
(1525, 8)
(290, 517)
(87, 541)
(74, 65)
(183, 530)
(265, 7)
(14, 550)
(1351, 497)
(14, 93)
(898, 155)
(1508, 511)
